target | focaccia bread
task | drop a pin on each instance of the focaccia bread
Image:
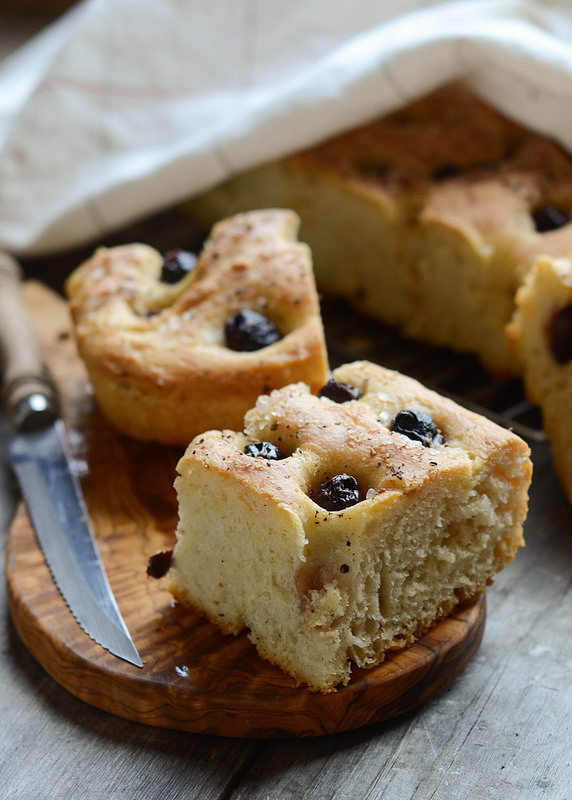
(342, 524)
(427, 219)
(541, 332)
(173, 349)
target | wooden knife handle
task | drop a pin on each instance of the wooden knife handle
(28, 391)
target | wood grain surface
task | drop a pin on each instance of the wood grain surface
(194, 678)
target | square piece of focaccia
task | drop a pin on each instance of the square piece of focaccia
(342, 524)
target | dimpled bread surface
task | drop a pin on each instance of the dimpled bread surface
(321, 590)
(156, 352)
(541, 332)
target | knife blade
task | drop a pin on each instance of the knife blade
(41, 460)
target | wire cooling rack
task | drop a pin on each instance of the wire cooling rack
(351, 337)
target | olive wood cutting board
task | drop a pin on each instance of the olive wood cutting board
(194, 678)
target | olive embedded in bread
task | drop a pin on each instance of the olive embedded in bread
(549, 218)
(250, 330)
(337, 493)
(419, 426)
(266, 450)
(560, 332)
(176, 264)
(339, 392)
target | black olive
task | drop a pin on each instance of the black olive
(339, 392)
(549, 218)
(177, 264)
(248, 330)
(561, 335)
(338, 493)
(159, 564)
(264, 450)
(419, 426)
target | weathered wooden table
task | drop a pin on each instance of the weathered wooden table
(501, 731)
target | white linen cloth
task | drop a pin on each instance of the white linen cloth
(125, 107)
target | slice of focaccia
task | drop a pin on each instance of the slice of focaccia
(342, 524)
(173, 349)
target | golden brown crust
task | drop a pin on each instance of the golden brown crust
(156, 352)
(448, 128)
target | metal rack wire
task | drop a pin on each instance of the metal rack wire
(460, 377)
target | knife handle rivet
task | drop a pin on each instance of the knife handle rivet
(34, 411)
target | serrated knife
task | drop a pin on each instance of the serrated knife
(41, 461)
